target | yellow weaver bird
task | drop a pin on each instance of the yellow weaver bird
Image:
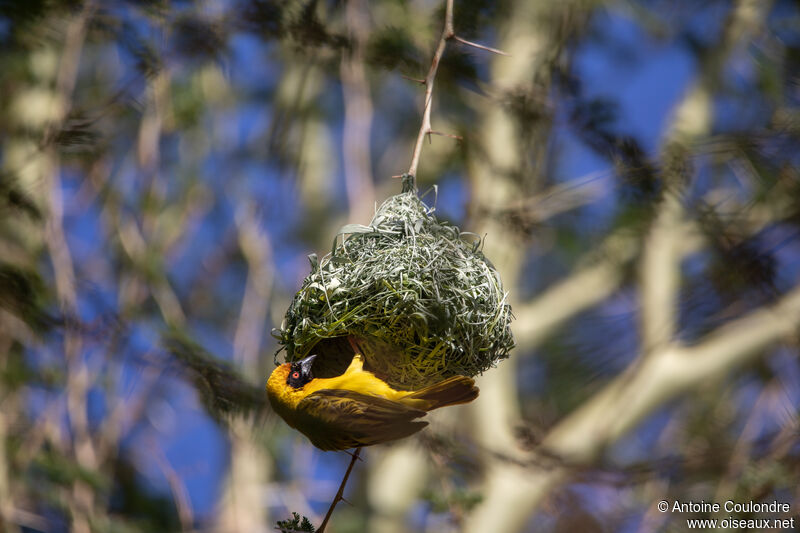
(356, 408)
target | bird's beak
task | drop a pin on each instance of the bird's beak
(305, 366)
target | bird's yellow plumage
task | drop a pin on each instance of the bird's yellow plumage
(355, 379)
(356, 408)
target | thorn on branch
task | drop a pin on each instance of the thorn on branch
(418, 80)
(447, 33)
(340, 493)
(480, 46)
(442, 134)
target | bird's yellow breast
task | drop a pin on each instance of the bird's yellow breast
(285, 398)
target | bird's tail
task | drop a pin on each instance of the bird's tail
(452, 391)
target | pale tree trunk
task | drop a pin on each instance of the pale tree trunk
(396, 475)
(307, 135)
(492, 171)
(42, 108)
(357, 117)
(243, 505)
(668, 368)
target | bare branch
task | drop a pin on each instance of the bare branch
(396, 476)
(425, 128)
(135, 246)
(27, 519)
(339, 493)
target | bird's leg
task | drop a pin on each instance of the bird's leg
(340, 493)
(354, 344)
(357, 364)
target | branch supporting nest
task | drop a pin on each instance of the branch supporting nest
(448, 33)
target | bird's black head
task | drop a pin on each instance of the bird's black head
(300, 372)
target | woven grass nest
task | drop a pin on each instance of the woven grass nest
(421, 301)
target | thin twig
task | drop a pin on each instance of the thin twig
(340, 493)
(447, 34)
(180, 494)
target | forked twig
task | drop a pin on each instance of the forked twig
(447, 33)
(425, 129)
(340, 493)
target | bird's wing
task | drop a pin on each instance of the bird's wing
(337, 419)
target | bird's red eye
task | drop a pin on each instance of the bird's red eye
(296, 374)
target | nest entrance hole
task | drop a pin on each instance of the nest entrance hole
(333, 356)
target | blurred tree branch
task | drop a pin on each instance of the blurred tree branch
(667, 373)
(357, 115)
(242, 505)
(669, 369)
(500, 173)
(82, 506)
(170, 166)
